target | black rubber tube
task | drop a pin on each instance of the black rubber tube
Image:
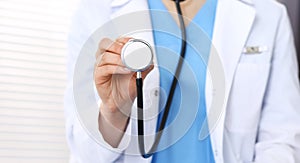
(170, 97)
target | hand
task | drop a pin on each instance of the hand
(114, 82)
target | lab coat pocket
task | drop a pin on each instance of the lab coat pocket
(260, 58)
(246, 96)
(244, 108)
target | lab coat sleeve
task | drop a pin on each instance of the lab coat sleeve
(278, 139)
(83, 149)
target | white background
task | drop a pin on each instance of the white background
(33, 37)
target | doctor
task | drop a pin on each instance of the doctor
(261, 116)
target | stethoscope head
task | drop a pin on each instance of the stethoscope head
(137, 55)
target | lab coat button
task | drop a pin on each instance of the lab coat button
(216, 153)
(156, 93)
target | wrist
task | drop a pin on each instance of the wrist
(115, 118)
(112, 127)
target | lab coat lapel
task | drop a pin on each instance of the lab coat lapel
(234, 19)
(233, 23)
(123, 7)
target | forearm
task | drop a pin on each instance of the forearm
(112, 125)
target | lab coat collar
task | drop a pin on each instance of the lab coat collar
(250, 2)
(233, 23)
(119, 3)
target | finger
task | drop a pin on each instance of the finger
(108, 70)
(147, 71)
(108, 58)
(107, 45)
(123, 40)
(98, 53)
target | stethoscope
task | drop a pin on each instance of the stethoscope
(137, 55)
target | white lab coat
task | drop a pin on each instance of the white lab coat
(260, 121)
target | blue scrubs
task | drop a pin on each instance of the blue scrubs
(180, 141)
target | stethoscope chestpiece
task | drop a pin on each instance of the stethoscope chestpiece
(137, 55)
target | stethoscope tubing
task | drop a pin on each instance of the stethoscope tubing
(139, 85)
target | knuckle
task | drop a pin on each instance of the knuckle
(98, 74)
(103, 42)
(97, 54)
(103, 58)
(107, 44)
(107, 70)
(124, 40)
(116, 47)
(98, 70)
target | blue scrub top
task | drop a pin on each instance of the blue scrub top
(180, 141)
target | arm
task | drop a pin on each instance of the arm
(278, 140)
(82, 147)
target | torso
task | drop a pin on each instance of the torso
(189, 8)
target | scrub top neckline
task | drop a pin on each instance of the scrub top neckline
(202, 11)
(188, 109)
